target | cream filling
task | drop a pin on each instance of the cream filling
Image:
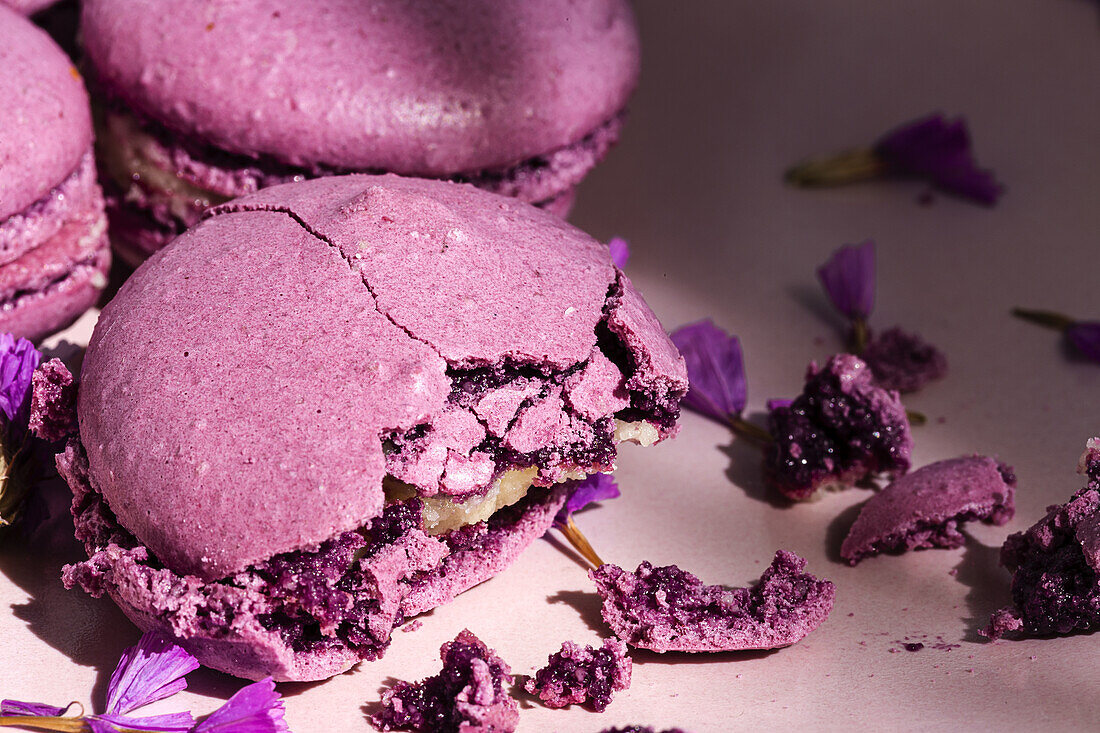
(122, 146)
(443, 514)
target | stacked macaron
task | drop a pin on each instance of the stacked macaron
(53, 240)
(337, 403)
(205, 103)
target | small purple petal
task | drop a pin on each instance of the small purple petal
(1086, 337)
(620, 251)
(716, 370)
(597, 487)
(849, 279)
(169, 723)
(776, 403)
(18, 359)
(150, 671)
(256, 708)
(15, 707)
(939, 150)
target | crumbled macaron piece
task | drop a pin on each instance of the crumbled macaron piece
(903, 360)
(669, 609)
(925, 508)
(53, 402)
(579, 676)
(467, 695)
(840, 430)
(1056, 565)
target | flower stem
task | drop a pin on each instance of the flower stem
(1050, 319)
(40, 722)
(579, 542)
(859, 336)
(849, 166)
(751, 431)
(916, 418)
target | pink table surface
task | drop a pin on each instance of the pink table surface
(733, 92)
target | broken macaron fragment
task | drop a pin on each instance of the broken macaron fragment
(586, 676)
(669, 609)
(469, 694)
(926, 508)
(842, 429)
(1055, 565)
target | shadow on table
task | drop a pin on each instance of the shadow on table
(838, 529)
(746, 468)
(92, 632)
(988, 582)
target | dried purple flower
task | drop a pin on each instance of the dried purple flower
(153, 670)
(18, 359)
(933, 148)
(1083, 335)
(15, 707)
(903, 361)
(716, 370)
(938, 149)
(594, 488)
(849, 280)
(256, 708)
(597, 487)
(620, 251)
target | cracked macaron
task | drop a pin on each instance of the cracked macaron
(338, 403)
(53, 231)
(202, 104)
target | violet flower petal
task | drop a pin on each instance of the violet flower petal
(776, 402)
(256, 708)
(849, 279)
(169, 723)
(18, 359)
(1085, 335)
(152, 670)
(938, 149)
(597, 487)
(716, 370)
(620, 251)
(16, 707)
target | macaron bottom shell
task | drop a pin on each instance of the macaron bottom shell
(57, 257)
(228, 625)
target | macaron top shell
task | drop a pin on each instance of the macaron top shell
(422, 87)
(45, 122)
(237, 391)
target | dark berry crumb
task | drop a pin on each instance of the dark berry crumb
(467, 695)
(840, 430)
(587, 676)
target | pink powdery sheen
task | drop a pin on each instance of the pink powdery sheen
(669, 609)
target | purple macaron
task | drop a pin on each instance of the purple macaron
(205, 104)
(336, 404)
(53, 232)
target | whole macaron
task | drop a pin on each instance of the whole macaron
(336, 404)
(53, 232)
(205, 103)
